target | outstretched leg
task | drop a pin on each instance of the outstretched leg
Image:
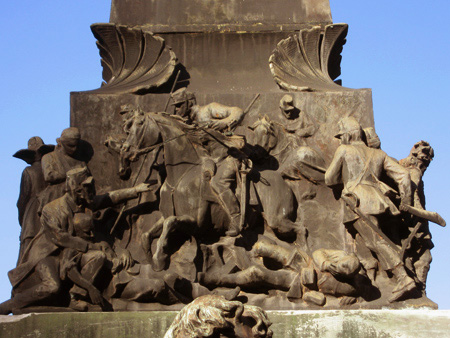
(147, 237)
(255, 276)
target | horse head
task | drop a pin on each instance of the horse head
(141, 132)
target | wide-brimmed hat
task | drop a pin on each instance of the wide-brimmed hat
(287, 103)
(35, 144)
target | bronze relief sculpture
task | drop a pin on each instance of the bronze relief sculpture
(277, 196)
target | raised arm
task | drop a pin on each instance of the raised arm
(219, 116)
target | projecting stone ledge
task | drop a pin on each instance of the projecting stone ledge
(286, 324)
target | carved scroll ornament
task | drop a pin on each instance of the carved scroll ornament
(309, 61)
(133, 60)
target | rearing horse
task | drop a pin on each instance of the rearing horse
(182, 201)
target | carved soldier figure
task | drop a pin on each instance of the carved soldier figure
(420, 244)
(224, 164)
(213, 115)
(56, 164)
(31, 184)
(295, 121)
(332, 272)
(359, 168)
(57, 252)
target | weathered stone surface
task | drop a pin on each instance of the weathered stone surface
(198, 14)
(235, 37)
(286, 324)
(94, 324)
(368, 323)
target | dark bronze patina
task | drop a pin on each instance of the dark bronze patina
(229, 163)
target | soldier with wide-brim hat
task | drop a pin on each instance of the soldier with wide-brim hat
(360, 170)
(35, 145)
(32, 184)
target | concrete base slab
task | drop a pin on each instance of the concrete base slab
(286, 324)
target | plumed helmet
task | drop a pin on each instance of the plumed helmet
(424, 148)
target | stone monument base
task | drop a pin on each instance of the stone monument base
(286, 324)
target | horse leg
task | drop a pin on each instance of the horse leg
(147, 237)
(170, 224)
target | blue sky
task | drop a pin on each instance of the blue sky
(398, 48)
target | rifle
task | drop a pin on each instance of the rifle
(369, 223)
(423, 214)
(251, 104)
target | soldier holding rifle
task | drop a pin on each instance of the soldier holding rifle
(359, 168)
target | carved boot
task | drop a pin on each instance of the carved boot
(146, 243)
(159, 260)
(405, 284)
(231, 206)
